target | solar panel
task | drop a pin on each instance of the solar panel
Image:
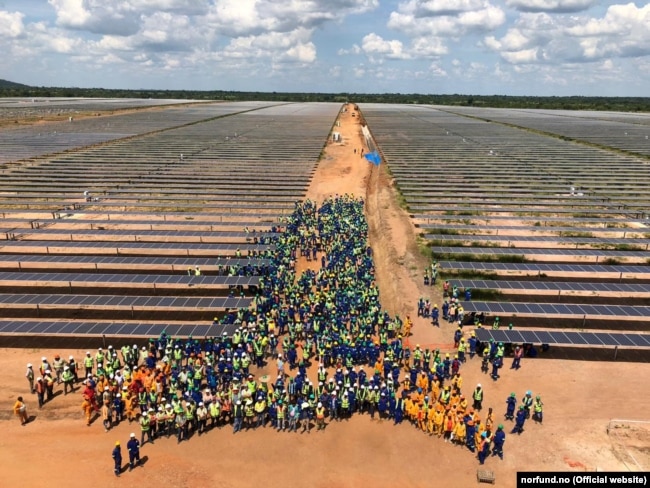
(608, 340)
(543, 267)
(528, 337)
(639, 340)
(565, 338)
(550, 309)
(622, 339)
(592, 338)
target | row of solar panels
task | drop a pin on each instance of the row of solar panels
(154, 217)
(202, 246)
(50, 259)
(121, 329)
(63, 189)
(124, 302)
(553, 286)
(568, 338)
(527, 228)
(512, 200)
(257, 227)
(520, 251)
(559, 309)
(534, 218)
(515, 210)
(543, 268)
(78, 279)
(558, 239)
(224, 234)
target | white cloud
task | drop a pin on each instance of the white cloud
(484, 19)
(555, 6)
(426, 8)
(11, 24)
(304, 53)
(372, 45)
(541, 38)
(97, 16)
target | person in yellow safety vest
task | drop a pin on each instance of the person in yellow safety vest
(68, 380)
(169, 419)
(145, 428)
(462, 347)
(215, 413)
(249, 413)
(260, 407)
(320, 416)
(477, 396)
(445, 396)
(281, 415)
(89, 362)
(99, 357)
(202, 417)
(417, 356)
(538, 409)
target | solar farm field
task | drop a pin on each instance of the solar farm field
(109, 218)
(541, 216)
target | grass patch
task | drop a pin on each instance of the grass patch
(614, 261)
(484, 244)
(486, 295)
(451, 232)
(485, 258)
(467, 274)
(576, 234)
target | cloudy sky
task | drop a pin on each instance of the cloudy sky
(481, 47)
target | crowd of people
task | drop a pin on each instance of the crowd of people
(330, 317)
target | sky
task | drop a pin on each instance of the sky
(473, 47)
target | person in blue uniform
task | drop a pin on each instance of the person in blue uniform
(498, 441)
(117, 459)
(511, 401)
(133, 446)
(519, 421)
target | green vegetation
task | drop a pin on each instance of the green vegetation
(613, 261)
(485, 258)
(576, 234)
(486, 295)
(467, 274)
(451, 232)
(622, 104)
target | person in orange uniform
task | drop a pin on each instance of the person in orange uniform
(20, 410)
(87, 408)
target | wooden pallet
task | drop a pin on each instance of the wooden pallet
(485, 476)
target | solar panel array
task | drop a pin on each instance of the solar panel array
(26, 278)
(613, 312)
(544, 267)
(565, 338)
(116, 302)
(168, 190)
(552, 286)
(118, 329)
(570, 196)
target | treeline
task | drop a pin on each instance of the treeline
(622, 104)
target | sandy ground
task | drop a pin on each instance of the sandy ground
(580, 399)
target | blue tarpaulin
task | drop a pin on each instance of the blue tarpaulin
(373, 158)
